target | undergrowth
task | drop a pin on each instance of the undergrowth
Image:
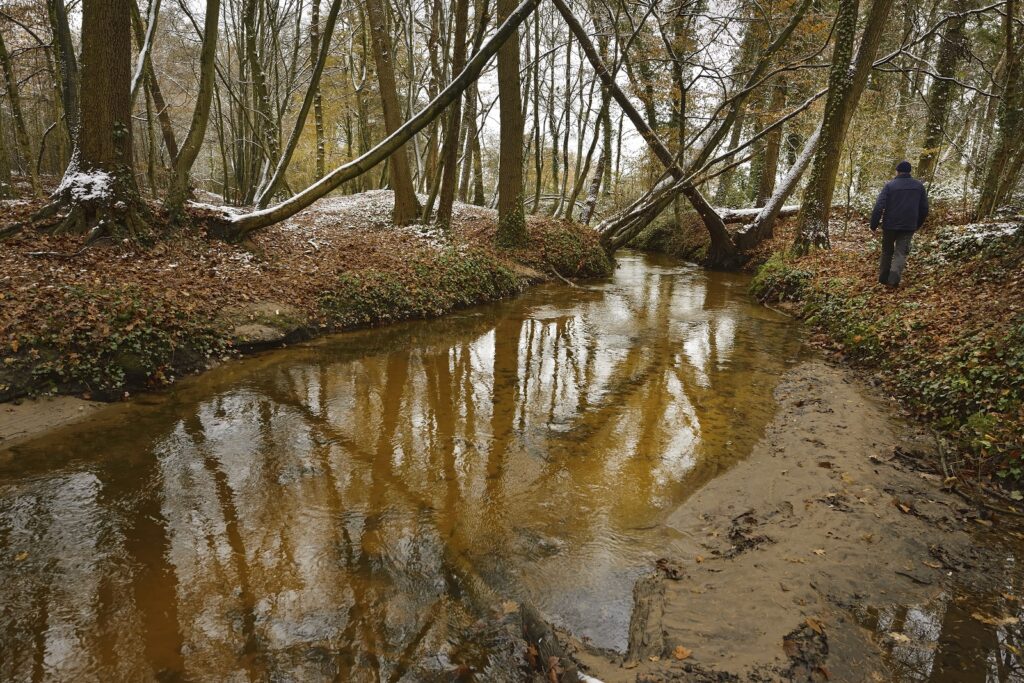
(949, 343)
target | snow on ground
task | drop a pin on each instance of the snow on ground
(370, 210)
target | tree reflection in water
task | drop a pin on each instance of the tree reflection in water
(349, 510)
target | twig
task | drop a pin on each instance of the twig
(562, 278)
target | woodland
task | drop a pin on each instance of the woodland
(604, 113)
(643, 373)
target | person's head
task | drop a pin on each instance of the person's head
(904, 168)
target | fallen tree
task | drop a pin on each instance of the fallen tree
(620, 229)
(237, 227)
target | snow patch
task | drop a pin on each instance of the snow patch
(91, 186)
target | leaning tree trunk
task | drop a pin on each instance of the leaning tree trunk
(239, 226)
(845, 88)
(99, 188)
(407, 207)
(511, 216)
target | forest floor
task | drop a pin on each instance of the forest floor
(117, 317)
(832, 553)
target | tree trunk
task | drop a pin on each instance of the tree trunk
(450, 153)
(99, 185)
(180, 183)
(845, 88)
(20, 132)
(772, 147)
(68, 63)
(318, 104)
(1011, 120)
(951, 48)
(595, 188)
(407, 207)
(511, 217)
(5, 163)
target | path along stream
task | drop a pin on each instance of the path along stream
(350, 509)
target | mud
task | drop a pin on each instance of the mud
(781, 567)
(28, 419)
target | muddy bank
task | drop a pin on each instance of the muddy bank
(31, 418)
(784, 567)
(949, 343)
(119, 317)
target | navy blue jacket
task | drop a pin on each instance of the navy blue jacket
(901, 205)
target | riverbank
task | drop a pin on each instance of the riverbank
(116, 318)
(949, 343)
(831, 553)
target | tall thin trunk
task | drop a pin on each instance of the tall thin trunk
(450, 153)
(20, 132)
(318, 104)
(511, 217)
(68, 64)
(407, 207)
(179, 189)
(772, 148)
(951, 48)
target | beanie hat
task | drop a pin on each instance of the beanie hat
(903, 167)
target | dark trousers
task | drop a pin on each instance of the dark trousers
(895, 249)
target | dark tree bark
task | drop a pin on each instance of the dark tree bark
(99, 185)
(407, 208)
(179, 188)
(845, 88)
(450, 152)
(511, 216)
(68, 65)
(1003, 166)
(951, 49)
(20, 131)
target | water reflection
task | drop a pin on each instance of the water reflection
(348, 510)
(971, 632)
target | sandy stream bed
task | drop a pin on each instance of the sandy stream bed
(767, 565)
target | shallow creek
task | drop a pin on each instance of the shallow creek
(350, 509)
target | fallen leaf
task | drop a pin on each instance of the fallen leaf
(899, 637)
(819, 551)
(994, 621)
(814, 625)
(509, 606)
(21, 557)
(699, 559)
(654, 658)
(681, 652)
(933, 565)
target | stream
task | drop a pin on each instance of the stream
(353, 508)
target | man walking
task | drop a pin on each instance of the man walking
(901, 208)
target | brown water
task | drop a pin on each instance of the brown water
(349, 509)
